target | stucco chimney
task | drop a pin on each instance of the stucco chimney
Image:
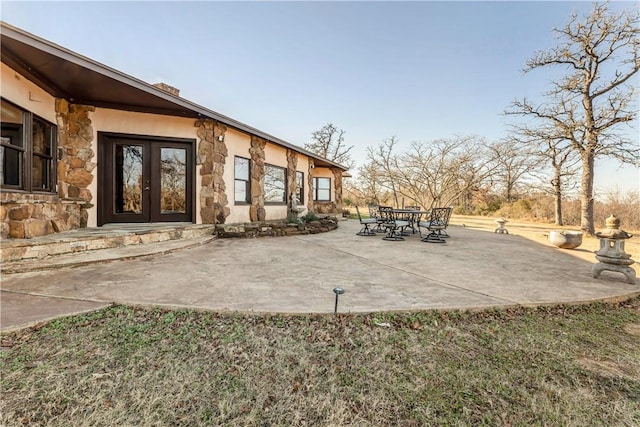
(169, 89)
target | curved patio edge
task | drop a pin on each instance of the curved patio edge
(474, 270)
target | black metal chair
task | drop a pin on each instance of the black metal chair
(375, 213)
(365, 222)
(394, 226)
(444, 233)
(436, 224)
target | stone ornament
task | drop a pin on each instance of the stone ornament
(501, 230)
(565, 239)
(611, 255)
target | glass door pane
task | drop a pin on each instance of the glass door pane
(173, 180)
(128, 179)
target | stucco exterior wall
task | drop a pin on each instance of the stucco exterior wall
(238, 144)
(24, 93)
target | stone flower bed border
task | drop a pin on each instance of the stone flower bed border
(275, 228)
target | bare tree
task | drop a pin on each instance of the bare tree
(555, 154)
(369, 188)
(385, 162)
(600, 54)
(328, 142)
(441, 172)
(512, 165)
(563, 163)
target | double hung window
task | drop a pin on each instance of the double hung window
(27, 150)
(242, 185)
(322, 189)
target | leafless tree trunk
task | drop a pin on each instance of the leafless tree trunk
(586, 194)
(556, 184)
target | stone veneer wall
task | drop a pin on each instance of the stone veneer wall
(325, 207)
(26, 215)
(257, 211)
(292, 183)
(275, 228)
(337, 188)
(212, 154)
(310, 206)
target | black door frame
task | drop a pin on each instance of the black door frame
(106, 179)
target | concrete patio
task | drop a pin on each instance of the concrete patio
(475, 269)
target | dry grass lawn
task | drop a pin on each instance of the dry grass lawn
(569, 366)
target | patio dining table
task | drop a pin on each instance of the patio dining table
(412, 216)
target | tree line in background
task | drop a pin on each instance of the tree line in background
(478, 177)
(547, 161)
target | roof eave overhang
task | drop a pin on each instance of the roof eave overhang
(163, 102)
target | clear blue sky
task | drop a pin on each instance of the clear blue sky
(416, 70)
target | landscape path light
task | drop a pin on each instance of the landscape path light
(337, 291)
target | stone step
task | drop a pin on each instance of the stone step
(93, 239)
(100, 256)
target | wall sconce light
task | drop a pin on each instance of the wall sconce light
(220, 138)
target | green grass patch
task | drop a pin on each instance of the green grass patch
(567, 365)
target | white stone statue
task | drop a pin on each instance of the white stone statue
(294, 202)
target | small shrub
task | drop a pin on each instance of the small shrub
(292, 218)
(309, 216)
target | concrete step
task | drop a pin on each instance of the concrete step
(99, 238)
(100, 256)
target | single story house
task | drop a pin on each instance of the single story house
(85, 145)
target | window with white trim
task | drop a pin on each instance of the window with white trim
(321, 189)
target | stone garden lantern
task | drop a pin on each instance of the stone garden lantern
(501, 229)
(611, 254)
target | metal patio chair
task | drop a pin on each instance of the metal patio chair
(395, 227)
(436, 224)
(444, 233)
(375, 213)
(365, 222)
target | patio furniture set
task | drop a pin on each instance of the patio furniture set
(396, 224)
